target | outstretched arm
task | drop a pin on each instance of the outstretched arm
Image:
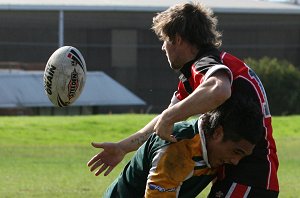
(113, 153)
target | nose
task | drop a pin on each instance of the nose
(163, 47)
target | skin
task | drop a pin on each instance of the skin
(207, 96)
(226, 152)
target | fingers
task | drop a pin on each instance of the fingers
(94, 159)
(105, 159)
(102, 168)
(164, 129)
(110, 168)
(98, 145)
(98, 156)
(96, 165)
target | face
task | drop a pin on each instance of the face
(226, 152)
(172, 50)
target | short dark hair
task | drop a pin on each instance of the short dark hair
(192, 21)
(241, 118)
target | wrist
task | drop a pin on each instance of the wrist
(171, 115)
(133, 142)
(124, 146)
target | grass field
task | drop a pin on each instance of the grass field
(46, 156)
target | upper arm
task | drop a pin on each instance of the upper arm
(218, 82)
(211, 88)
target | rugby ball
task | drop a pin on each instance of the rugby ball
(64, 76)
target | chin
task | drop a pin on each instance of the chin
(175, 67)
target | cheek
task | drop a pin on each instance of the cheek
(169, 49)
(168, 52)
(220, 151)
(215, 153)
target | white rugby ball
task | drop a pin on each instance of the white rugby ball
(64, 76)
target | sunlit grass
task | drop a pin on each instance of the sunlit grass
(46, 156)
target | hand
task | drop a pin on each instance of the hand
(164, 129)
(107, 159)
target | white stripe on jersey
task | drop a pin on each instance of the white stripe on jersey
(174, 99)
(247, 192)
(232, 188)
(215, 68)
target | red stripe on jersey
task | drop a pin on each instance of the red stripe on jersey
(238, 191)
(197, 77)
(195, 80)
(181, 93)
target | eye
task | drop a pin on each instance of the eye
(237, 152)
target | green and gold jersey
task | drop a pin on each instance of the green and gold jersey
(163, 169)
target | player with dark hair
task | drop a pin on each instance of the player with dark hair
(208, 78)
(184, 168)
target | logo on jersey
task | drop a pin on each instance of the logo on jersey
(161, 189)
(219, 194)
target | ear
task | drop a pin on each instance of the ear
(218, 133)
(178, 39)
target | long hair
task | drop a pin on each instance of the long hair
(192, 21)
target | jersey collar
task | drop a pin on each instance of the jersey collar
(186, 69)
(203, 142)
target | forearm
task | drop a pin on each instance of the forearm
(205, 98)
(134, 141)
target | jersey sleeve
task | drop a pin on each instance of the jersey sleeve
(215, 68)
(199, 75)
(174, 99)
(171, 166)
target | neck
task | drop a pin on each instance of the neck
(191, 54)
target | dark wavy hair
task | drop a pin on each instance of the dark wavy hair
(241, 118)
(192, 21)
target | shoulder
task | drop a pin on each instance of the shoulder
(208, 60)
(185, 129)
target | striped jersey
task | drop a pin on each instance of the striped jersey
(259, 169)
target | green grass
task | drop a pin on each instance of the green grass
(287, 135)
(46, 156)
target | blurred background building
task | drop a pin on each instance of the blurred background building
(115, 37)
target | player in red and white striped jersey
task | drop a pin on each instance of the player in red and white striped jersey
(208, 78)
(258, 170)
